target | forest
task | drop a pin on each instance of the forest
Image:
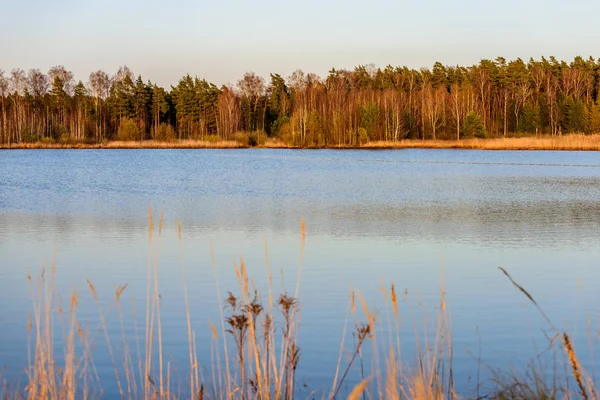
(495, 98)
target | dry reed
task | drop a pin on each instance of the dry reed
(259, 348)
(146, 144)
(575, 142)
(585, 385)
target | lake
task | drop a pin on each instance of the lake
(411, 217)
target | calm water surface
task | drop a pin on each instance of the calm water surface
(371, 217)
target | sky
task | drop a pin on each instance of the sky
(220, 40)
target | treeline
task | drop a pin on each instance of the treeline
(493, 98)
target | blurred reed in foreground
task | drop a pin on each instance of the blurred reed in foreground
(255, 349)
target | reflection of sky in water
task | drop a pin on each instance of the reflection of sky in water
(371, 215)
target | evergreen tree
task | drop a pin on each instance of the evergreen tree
(530, 119)
(576, 116)
(594, 118)
(278, 105)
(473, 127)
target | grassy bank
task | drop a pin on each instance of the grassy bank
(147, 144)
(564, 142)
(255, 349)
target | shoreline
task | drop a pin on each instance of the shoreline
(575, 142)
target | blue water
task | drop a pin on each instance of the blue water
(411, 217)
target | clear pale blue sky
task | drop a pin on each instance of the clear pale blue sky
(220, 40)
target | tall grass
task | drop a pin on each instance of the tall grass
(535, 385)
(255, 351)
(146, 144)
(565, 142)
(242, 140)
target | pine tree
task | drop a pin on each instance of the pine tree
(594, 118)
(576, 116)
(278, 105)
(473, 127)
(80, 100)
